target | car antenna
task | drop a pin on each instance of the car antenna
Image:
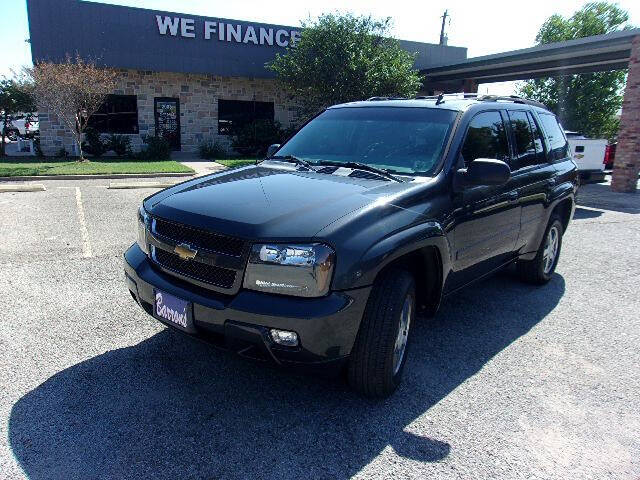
(440, 99)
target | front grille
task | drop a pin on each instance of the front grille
(199, 238)
(221, 277)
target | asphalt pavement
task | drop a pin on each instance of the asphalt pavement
(508, 381)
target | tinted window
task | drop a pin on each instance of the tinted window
(557, 141)
(486, 138)
(117, 114)
(233, 115)
(537, 139)
(525, 150)
(403, 140)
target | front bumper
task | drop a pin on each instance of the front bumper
(326, 326)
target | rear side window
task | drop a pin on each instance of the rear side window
(537, 138)
(486, 138)
(559, 148)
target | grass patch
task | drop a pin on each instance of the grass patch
(13, 167)
(237, 162)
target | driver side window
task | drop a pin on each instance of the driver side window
(486, 138)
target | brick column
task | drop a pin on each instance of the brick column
(627, 161)
(470, 86)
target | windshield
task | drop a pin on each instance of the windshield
(398, 139)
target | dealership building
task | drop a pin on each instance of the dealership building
(186, 77)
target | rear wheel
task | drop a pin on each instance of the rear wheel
(540, 269)
(380, 350)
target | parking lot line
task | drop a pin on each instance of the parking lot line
(86, 245)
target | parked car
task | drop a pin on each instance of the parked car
(610, 155)
(22, 125)
(589, 155)
(321, 256)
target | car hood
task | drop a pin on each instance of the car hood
(262, 202)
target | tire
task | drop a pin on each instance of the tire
(372, 370)
(539, 271)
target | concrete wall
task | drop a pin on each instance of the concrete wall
(198, 96)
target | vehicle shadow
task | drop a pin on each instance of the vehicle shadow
(172, 407)
(585, 213)
(600, 196)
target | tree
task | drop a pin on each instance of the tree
(14, 98)
(345, 58)
(587, 102)
(72, 90)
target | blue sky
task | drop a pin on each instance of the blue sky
(484, 28)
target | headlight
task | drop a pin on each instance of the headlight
(300, 270)
(143, 224)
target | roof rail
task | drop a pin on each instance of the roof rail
(379, 99)
(511, 98)
(460, 95)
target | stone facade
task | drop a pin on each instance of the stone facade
(198, 96)
(627, 162)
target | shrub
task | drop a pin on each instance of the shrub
(156, 148)
(120, 144)
(254, 138)
(93, 144)
(211, 149)
(62, 153)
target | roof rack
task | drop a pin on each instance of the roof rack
(379, 99)
(511, 98)
(462, 96)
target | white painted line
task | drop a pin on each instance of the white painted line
(25, 187)
(86, 246)
(141, 185)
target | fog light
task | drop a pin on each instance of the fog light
(283, 337)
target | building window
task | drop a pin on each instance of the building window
(118, 114)
(234, 114)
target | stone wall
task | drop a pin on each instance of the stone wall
(198, 96)
(627, 161)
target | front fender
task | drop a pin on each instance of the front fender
(388, 249)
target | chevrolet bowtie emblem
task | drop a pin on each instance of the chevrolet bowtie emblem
(185, 251)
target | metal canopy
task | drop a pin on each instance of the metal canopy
(590, 54)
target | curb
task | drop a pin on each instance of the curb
(89, 177)
(122, 186)
(34, 187)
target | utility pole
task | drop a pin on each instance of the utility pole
(443, 36)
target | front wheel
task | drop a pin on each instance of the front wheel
(380, 350)
(540, 269)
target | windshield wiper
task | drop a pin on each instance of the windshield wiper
(292, 159)
(360, 166)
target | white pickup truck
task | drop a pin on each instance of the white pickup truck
(588, 154)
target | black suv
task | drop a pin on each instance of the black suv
(321, 255)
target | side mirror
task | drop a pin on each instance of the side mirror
(272, 149)
(485, 171)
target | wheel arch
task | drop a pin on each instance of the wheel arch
(422, 250)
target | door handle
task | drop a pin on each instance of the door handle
(513, 196)
(552, 181)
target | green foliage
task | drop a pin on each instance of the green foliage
(62, 153)
(93, 143)
(587, 103)
(120, 144)
(255, 137)
(211, 150)
(342, 58)
(14, 97)
(156, 148)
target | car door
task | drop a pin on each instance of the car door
(486, 218)
(531, 175)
